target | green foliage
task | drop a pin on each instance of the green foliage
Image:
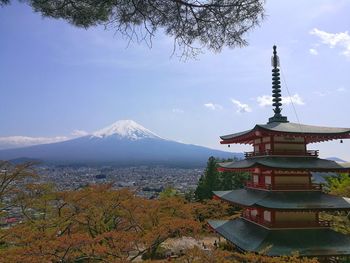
(232, 180)
(212, 180)
(340, 221)
(159, 253)
(169, 192)
(208, 182)
(339, 185)
(190, 196)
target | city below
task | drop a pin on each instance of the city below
(146, 181)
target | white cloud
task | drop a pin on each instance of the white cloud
(313, 51)
(266, 100)
(79, 133)
(341, 39)
(341, 89)
(321, 93)
(213, 106)
(22, 141)
(241, 107)
(296, 99)
(177, 110)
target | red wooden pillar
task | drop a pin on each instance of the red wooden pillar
(273, 217)
(309, 179)
(272, 144)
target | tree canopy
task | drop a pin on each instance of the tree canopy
(212, 180)
(95, 224)
(339, 185)
(193, 24)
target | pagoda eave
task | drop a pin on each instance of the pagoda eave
(286, 163)
(287, 129)
(247, 236)
(285, 201)
(309, 138)
(306, 210)
(281, 209)
(250, 169)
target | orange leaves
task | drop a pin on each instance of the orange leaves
(94, 223)
(99, 224)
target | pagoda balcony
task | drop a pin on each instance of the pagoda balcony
(258, 185)
(285, 187)
(292, 224)
(310, 153)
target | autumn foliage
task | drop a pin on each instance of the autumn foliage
(93, 224)
(100, 224)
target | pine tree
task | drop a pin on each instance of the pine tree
(232, 180)
(212, 180)
(208, 182)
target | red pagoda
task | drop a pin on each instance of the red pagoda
(280, 202)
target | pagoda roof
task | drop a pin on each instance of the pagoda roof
(288, 200)
(285, 163)
(307, 242)
(312, 133)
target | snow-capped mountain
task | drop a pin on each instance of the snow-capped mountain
(126, 129)
(122, 143)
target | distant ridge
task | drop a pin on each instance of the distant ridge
(336, 159)
(124, 143)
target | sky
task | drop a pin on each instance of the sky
(57, 80)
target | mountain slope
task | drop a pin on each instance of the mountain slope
(122, 143)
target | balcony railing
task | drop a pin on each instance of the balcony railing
(312, 186)
(312, 153)
(258, 185)
(302, 224)
(305, 224)
(257, 219)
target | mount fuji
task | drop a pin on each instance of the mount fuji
(124, 143)
(126, 129)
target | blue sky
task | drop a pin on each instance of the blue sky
(56, 79)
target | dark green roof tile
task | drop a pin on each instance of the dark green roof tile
(293, 128)
(304, 163)
(293, 200)
(307, 242)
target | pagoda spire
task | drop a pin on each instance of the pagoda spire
(276, 89)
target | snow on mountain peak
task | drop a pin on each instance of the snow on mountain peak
(127, 129)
